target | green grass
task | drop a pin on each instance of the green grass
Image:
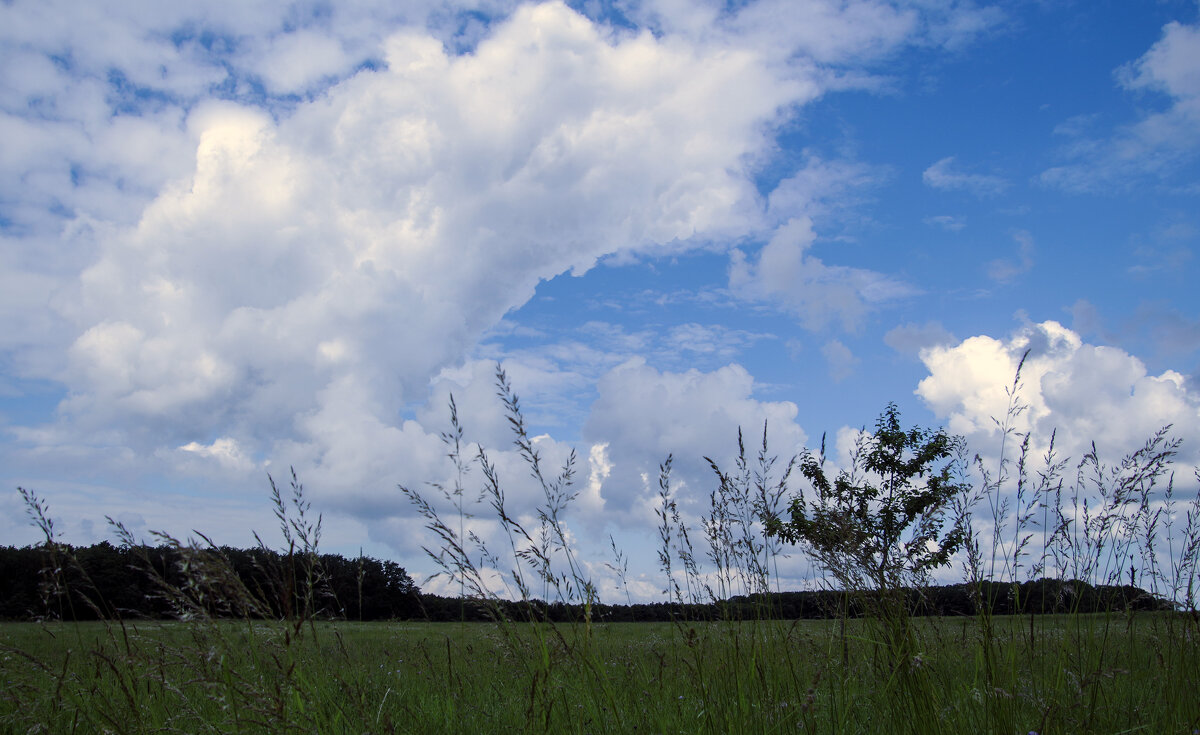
(1116, 672)
(1071, 674)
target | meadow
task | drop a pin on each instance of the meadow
(1102, 673)
(275, 658)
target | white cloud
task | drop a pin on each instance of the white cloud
(1172, 65)
(957, 23)
(540, 385)
(709, 341)
(787, 275)
(1085, 396)
(643, 415)
(820, 188)
(1004, 270)
(840, 359)
(93, 101)
(1085, 318)
(943, 175)
(804, 285)
(1083, 392)
(98, 133)
(911, 338)
(827, 31)
(289, 283)
(1160, 141)
(294, 62)
(225, 451)
(442, 186)
(267, 233)
(946, 222)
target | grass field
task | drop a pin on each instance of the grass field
(1047, 674)
(234, 664)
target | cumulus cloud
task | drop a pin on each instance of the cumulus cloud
(944, 175)
(1160, 141)
(642, 415)
(258, 279)
(294, 62)
(1086, 393)
(94, 105)
(288, 266)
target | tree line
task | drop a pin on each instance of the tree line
(126, 581)
(110, 581)
(1042, 596)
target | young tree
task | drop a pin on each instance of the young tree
(878, 527)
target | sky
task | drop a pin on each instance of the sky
(243, 237)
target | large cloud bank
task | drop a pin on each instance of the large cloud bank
(239, 235)
(345, 255)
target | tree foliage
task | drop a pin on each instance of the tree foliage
(881, 523)
(109, 581)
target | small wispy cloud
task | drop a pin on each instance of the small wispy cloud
(943, 175)
(1157, 144)
(840, 359)
(912, 338)
(225, 451)
(1156, 260)
(786, 273)
(946, 222)
(710, 340)
(1166, 249)
(1004, 270)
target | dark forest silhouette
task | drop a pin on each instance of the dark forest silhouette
(110, 581)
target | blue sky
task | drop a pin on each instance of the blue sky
(244, 237)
